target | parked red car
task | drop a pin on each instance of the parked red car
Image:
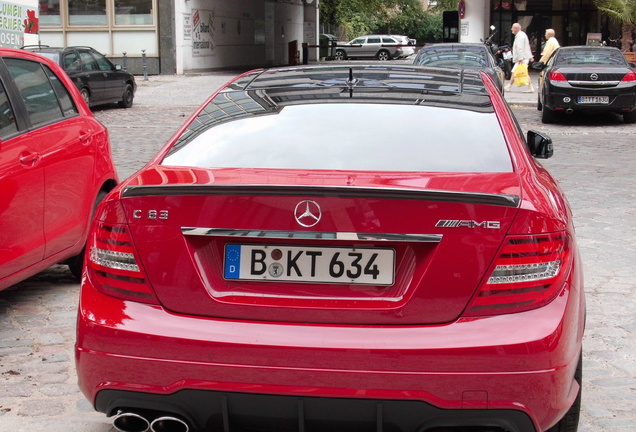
(272, 269)
(55, 165)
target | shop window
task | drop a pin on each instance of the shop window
(50, 13)
(133, 12)
(87, 12)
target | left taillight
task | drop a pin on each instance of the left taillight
(529, 273)
(112, 263)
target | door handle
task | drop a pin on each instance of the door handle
(85, 137)
(29, 159)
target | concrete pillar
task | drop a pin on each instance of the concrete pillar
(474, 27)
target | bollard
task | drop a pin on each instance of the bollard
(125, 62)
(143, 57)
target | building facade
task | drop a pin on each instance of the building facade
(184, 36)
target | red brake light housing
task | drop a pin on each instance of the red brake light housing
(112, 263)
(529, 272)
(557, 76)
(629, 76)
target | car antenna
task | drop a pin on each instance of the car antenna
(351, 82)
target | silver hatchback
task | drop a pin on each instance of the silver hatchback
(381, 47)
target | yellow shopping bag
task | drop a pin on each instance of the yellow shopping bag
(520, 74)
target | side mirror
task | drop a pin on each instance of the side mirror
(540, 145)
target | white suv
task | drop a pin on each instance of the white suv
(382, 47)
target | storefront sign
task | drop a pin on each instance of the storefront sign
(203, 33)
(16, 21)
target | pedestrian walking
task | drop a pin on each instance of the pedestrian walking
(521, 56)
(551, 44)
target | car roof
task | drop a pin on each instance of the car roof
(455, 45)
(46, 48)
(394, 84)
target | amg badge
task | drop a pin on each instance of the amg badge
(468, 224)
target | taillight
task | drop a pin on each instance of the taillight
(528, 273)
(629, 76)
(112, 264)
(557, 76)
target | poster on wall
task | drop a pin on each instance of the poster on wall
(187, 27)
(19, 23)
(203, 33)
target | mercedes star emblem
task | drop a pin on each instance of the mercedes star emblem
(307, 213)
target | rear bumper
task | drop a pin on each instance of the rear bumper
(562, 100)
(517, 369)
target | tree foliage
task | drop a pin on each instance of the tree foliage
(622, 12)
(354, 18)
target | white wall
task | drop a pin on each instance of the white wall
(475, 25)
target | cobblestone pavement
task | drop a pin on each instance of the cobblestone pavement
(594, 161)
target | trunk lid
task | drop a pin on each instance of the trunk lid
(346, 248)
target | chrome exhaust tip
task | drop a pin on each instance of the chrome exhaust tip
(169, 424)
(130, 422)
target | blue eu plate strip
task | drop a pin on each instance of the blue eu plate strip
(232, 261)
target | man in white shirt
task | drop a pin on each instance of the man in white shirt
(521, 53)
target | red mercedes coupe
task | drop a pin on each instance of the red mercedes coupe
(295, 259)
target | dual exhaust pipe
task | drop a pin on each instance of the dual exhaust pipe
(133, 422)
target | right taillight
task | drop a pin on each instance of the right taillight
(629, 76)
(557, 76)
(528, 273)
(112, 264)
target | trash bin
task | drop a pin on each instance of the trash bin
(326, 46)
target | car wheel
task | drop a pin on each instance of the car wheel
(629, 117)
(340, 55)
(86, 96)
(75, 264)
(383, 55)
(570, 422)
(547, 115)
(127, 98)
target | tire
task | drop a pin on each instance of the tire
(340, 55)
(76, 264)
(570, 422)
(126, 98)
(547, 115)
(86, 96)
(629, 117)
(383, 55)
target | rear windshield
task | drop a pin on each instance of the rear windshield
(458, 58)
(366, 137)
(591, 57)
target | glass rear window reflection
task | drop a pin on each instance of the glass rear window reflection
(365, 137)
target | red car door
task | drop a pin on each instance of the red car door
(21, 195)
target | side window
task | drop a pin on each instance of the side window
(36, 91)
(72, 62)
(373, 40)
(7, 120)
(88, 61)
(103, 63)
(64, 97)
(388, 40)
(358, 41)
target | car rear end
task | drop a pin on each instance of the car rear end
(591, 80)
(255, 278)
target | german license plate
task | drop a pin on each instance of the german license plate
(594, 99)
(372, 266)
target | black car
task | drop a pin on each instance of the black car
(588, 79)
(461, 56)
(98, 80)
